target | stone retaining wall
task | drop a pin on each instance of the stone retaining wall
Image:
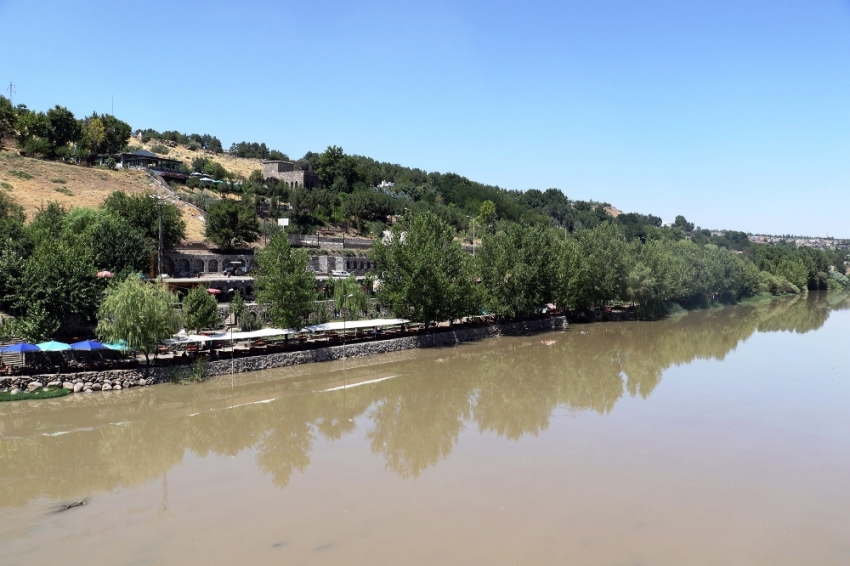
(88, 382)
(441, 338)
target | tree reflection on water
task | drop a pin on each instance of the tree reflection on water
(510, 387)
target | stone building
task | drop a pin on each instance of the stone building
(286, 172)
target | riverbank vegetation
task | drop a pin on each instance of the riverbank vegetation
(521, 268)
(49, 267)
(537, 249)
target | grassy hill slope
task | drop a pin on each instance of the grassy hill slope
(33, 183)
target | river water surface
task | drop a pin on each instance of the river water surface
(718, 437)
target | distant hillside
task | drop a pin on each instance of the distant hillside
(35, 182)
(238, 165)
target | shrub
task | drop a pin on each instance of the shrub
(21, 174)
(160, 149)
(39, 394)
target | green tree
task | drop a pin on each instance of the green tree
(349, 298)
(230, 223)
(682, 222)
(142, 212)
(487, 215)
(237, 307)
(7, 119)
(141, 314)
(594, 272)
(64, 128)
(47, 225)
(12, 230)
(116, 134)
(337, 171)
(115, 245)
(94, 135)
(640, 285)
(425, 275)
(284, 283)
(200, 309)
(61, 279)
(518, 268)
(31, 126)
(36, 326)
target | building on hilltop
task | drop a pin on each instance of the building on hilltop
(285, 171)
(145, 160)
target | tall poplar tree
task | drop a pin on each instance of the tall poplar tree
(283, 282)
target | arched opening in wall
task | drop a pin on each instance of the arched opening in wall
(212, 266)
(296, 184)
(198, 265)
(251, 321)
(167, 265)
(182, 266)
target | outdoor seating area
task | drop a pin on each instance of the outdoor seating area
(183, 348)
(58, 357)
(230, 344)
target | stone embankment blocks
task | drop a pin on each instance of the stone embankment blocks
(113, 380)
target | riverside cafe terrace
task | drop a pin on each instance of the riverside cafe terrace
(272, 340)
(58, 357)
(145, 160)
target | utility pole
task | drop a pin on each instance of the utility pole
(158, 199)
(473, 234)
(160, 241)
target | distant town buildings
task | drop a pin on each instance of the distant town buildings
(816, 243)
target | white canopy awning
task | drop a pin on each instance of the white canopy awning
(355, 324)
(264, 333)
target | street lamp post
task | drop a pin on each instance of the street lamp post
(344, 319)
(158, 199)
(473, 234)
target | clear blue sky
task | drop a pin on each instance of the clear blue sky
(733, 113)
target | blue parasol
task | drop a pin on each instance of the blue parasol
(88, 345)
(19, 348)
(53, 346)
(120, 346)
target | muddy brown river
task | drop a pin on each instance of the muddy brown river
(717, 437)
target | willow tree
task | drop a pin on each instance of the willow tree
(349, 297)
(141, 314)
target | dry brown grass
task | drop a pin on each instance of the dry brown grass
(238, 165)
(33, 183)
